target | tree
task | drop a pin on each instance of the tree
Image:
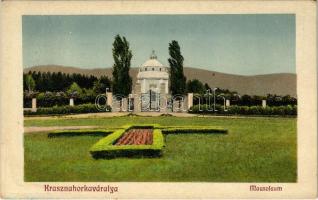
(97, 88)
(206, 86)
(122, 82)
(177, 78)
(246, 100)
(106, 83)
(195, 86)
(30, 83)
(101, 84)
(74, 90)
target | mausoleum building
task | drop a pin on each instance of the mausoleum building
(153, 75)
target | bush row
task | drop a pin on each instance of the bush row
(80, 132)
(50, 100)
(246, 110)
(180, 130)
(245, 100)
(84, 108)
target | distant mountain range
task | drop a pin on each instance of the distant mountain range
(280, 84)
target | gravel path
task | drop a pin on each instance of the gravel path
(108, 114)
(78, 116)
(143, 114)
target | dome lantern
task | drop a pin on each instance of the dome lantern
(153, 55)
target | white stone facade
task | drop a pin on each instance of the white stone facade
(152, 74)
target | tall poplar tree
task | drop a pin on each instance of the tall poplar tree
(122, 82)
(177, 78)
(30, 83)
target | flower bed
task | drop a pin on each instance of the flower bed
(107, 148)
(136, 137)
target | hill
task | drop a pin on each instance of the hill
(280, 84)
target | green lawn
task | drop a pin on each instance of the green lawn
(254, 150)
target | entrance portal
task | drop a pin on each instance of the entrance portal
(150, 101)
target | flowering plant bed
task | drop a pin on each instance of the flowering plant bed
(118, 144)
(136, 137)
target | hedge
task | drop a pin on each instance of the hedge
(178, 130)
(83, 108)
(105, 147)
(141, 126)
(50, 99)
(80, 132)
(247, 110)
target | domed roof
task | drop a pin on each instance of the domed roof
(152, 62)
(153, 69)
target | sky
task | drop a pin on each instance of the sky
(245, 44)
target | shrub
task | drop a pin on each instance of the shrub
(247, 110)
(254, 110)
(247, 100)
(55, 110)
(50, 99)
(193, 129)
(79, 132)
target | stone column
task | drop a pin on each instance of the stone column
(227, 103)
(130, 97)
(263, 103)
(33, 105)
(144, 89)
(137, 97)
(124, 104)
(109, 96)
(163, 98)
(190, 100)
(71, 102)
(185, 104)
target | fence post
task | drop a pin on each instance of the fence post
(124, 104)
(190, 100)
(71, 102)
(263, 103)
(163, 98)
(137, 98)
(33, 105)
(227, 103)
(109, 96)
